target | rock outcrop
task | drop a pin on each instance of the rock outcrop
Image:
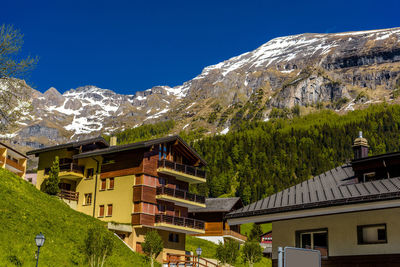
(336, 71)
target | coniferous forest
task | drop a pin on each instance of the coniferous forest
(256, 159)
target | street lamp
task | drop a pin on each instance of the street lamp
(39, 239)
(198, 252)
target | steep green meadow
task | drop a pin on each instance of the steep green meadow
(25, 211)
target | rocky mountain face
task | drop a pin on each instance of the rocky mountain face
(339, 71)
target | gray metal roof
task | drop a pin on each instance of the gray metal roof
(334, 187)
(217, 205)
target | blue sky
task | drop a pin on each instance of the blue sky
(133, 45)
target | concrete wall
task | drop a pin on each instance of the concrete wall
(342, 232)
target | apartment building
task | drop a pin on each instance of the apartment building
(12, 160)
(135, 187)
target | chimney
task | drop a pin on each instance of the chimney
(113, 141)
(360, 147)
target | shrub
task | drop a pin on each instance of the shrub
(153, 245)
(251, 252)
(227, 252)
(98, 246)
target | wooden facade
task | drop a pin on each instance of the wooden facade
(214, 217)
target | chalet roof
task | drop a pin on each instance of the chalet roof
(334, 187)
(70, 145)
(138, 145)
(266, 233)
(16, 151)
(217, 205)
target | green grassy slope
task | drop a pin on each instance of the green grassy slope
(245, 229)
(25, 211)
(208, 248)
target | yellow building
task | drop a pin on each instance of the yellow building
(135, 187)
(12, 160)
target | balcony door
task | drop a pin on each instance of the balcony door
(65, 186)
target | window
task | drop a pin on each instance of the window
(371, 234)
(313, 239)
(88, 199)
(173, 238)
(109, 209)
(162, 181)
(103, 184)
(371, 176)
(89, 173)
(101, 211)
(111, 184)
(161, 208)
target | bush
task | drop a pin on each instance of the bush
(99, 245)
(251, 252)
(227, 252)
(153, 245)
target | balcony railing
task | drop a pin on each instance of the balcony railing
(15, 165)
(70, 167)
(69, 195)
(234, 234)
(163, 190)
(179, 221)
(181, 168)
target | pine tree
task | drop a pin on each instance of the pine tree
(255, 233)
(50, 184)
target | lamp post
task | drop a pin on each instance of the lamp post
(39, 239)
(198, 252)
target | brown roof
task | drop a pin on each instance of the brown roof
(99, 139)
(137, 145)
(16, 151)
(218, 205)
(334, 187)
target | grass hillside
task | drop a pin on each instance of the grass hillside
(245, 229)
(25, 211)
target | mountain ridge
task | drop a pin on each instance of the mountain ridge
(340, 71)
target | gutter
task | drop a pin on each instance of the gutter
(95, 187)
(322, 204)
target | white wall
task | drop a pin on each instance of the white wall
(342, 232)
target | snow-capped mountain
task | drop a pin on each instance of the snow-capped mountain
(338, 71)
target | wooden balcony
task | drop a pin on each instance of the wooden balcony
(235, 235)
(182, 172)
(180, 197)
(69, 195)
(69, 170)
(15, 165)
(179, 224)
(174, 260)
